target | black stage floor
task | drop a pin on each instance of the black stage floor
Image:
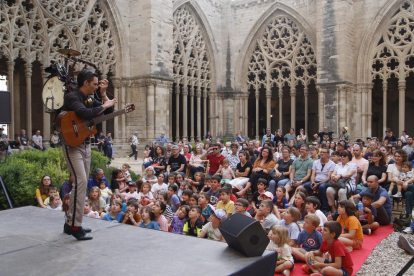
(32, 243)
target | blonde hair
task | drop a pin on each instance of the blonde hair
(314, 219)
(295, 213)
(95, 203)
(283, 234)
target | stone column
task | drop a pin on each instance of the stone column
(384, 106)
(177, 112)
(369, 105)
(280, 108)
(46, 116)
(205, 112)
(192, 114)
(198, 95)
(306, 92)
(321, 107)
(246, 117)
(257, 95)
(268, 108)
(150, 109)
(170, 106)
(116, 83)
(362, 89)
(216, 115)
(125, 84)
(28, 73)
(293, 107)
(10, 70)
(342, 105)
(185, 108)
(241, 125)
(401, 109)
(211, 114)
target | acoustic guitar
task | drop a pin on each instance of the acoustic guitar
(73, 130)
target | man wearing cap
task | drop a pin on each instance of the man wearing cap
(344, 135)
(161, 140)
(134, 145)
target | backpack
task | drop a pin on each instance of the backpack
(401, 222)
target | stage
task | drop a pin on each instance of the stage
(32, 242)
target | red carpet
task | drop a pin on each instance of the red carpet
(358, 256)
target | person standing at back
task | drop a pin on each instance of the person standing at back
(268, 136)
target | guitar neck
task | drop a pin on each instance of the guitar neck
(106, 117)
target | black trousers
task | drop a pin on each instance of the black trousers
(134, 152)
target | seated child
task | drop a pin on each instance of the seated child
(309, 239)
(105, 192)
(225, 203)
(215, 189)
(299, 203)
(147, 217)
(171, 180)
(257, 196)
(50, 191)
(207, 183)
(87, 210)
(226, 172)
(97, 202)
(186, 197)
(178, 221)
(160, 186)
(241, 206)
(120, 197)
(132, 217)
(207, 209)
(211, 228)
(232, 196)
(132, 192)
(406, 174)
(368, 223)
(145, 196)
(115, 215)
(339, 260)
(269, 196)
(279, 241)
(269, 219)
(55, 203)
(193, 225)
(197, 184)
(312, 205)
(168, 214)
(193, 200)
(157, 210)
(352, 237)
(280, 199)
(173, 199)
(290, 219)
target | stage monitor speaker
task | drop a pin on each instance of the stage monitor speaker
(264, 266)
(244, 234)
(5, 114)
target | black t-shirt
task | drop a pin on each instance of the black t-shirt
(325, 136)
(192, 229)
(393, 138)
(253, 159)
(257, 198)
(24, 139)
(175, 163)
(243, 169)
(114, 185)
(278, 139)
(284, 166)
(377, 171)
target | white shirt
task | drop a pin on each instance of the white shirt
(212, 233)
(342, 170)
(157, 189)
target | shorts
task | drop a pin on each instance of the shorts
(225, 180)
(357, 244)
(344, 272)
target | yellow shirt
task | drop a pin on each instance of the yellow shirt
(228, 208)
(351, 223)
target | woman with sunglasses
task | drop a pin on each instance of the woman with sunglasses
(243, 172)
(344, 170)
(261, 169)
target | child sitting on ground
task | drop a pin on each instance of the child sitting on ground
(145, 196)
(197, 184)
(241, 206)
(105, 192)
(257, 196)
(269, 219)
(312, 205)
(225, 203)
(193, 225)
(160, 186)
(115, 215)
(352, 237)
(193, 200)
(279, 241)
(368, 223)
(157, 210)
(147, 217)
(207, 209)
(269, 196)
(232, 196)
(226, 172)
(131, 216)
(280, 199)
(299, 203)
(120, 197)
(339, 260)
(55, 203)
(207, 183)
(406, 174)
(98, 203)
(215, 190)
(87, 210)
(186, 197)
(50, 191)
(178, 221)
(173, 199)
(290, 219)
(168, 214)
(309, 239)
(132, 191)
(211, 228)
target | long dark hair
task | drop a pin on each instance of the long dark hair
(269, 157)
(162, 151)
(115, 174)
(42, 188)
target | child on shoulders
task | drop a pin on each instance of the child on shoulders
(178, 221)
(211, 229)
(279, 241)
(309, 239)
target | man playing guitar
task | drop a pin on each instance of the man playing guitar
(78, 158)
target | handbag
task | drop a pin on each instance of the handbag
(340, 184)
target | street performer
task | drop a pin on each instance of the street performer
(82, 102)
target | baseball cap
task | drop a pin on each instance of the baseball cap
(268, 194)
(1, 128)
(220, 214)
(346, 128)
(131, 183)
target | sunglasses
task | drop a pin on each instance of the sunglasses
(344, 155)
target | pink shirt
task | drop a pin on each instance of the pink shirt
(163, 223)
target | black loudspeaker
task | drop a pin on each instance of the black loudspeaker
(5, 115)
(244, 234)
(264, 266)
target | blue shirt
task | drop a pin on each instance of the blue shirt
(151, 225)
(162, 140)
(118, 217)
(92, 182)
(239, 140)
(173, 203)
(379, 193)
(310, 242)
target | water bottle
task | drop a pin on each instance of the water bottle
(361, 207)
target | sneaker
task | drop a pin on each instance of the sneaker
(349, 248)
(366, 231)
(286, 272)
(407, 245)
(306, 269)
(408, 230)
(397, 195)
(389, 193)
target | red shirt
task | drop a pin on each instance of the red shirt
(338, 249)
(215, 162)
